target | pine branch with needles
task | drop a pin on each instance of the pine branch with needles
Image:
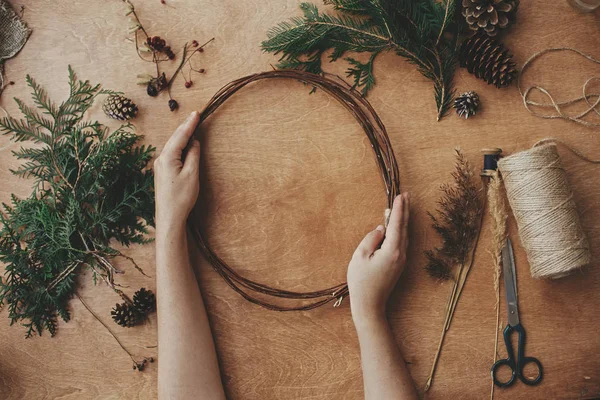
(424, 32)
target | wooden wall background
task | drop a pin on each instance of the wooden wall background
(289, 188)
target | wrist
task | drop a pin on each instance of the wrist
(366, 319)
(170, 228)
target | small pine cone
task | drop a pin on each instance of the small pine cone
(490, 16)
(119, 107)
(125, 315)
(144, 301)
(487, 59)
(466, 104)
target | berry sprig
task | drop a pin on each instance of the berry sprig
(147, 45)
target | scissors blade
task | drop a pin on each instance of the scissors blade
(510, 283)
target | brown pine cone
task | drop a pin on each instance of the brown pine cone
(487, 59)
(490, 16)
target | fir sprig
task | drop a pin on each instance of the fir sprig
(90, 187)
(418, 30)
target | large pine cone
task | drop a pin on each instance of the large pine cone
(489, 15)
(125, 315)
(488, 60)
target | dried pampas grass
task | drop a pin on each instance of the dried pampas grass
(458, 223)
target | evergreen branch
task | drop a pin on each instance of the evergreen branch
(22, 131)
(351, 6)
(417, 30)
(33, 117)
(40, 98)
(349, 29)
(79, 167)
(447, 17)
(362, 74)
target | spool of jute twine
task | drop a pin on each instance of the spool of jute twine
(542, 202)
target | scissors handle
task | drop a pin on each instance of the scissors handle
(516, 365)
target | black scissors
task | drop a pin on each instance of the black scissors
(515, 364)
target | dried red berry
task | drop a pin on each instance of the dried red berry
(188, 84)
(201, 50)
(195, 43)
(173, 105)
(201, 70)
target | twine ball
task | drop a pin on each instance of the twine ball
(542, 202)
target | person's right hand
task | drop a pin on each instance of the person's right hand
(374, 271)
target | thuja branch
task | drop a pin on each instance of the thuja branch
(91, 187)
(419, 31)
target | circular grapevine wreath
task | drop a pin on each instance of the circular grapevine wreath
(364, 113)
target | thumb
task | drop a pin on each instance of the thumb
(192, 158)
(371, 242)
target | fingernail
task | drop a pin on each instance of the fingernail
(380, 228)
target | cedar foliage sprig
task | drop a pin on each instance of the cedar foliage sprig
(91, 187)
(422, 31)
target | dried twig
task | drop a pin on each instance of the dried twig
(499, 215)
(139, 365)
(375, 131)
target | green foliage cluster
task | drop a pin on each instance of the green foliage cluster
(91, 186)
(422, 31)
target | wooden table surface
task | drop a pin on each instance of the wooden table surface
(289, 188)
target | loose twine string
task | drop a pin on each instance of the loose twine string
(542, 202)
(368, 119)
(587, 97)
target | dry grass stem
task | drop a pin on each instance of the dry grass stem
(499, 215)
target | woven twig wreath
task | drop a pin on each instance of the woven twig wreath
(375, 131)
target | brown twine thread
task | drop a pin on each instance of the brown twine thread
(368, 119)
(587, 97)
(542, 202)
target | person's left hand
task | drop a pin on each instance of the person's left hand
(374, 270)
(176, 180)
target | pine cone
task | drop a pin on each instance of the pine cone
(488, 60)
(489, 15)
(466, 104)
(119, 107)
(125, 315)
(144, 301)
